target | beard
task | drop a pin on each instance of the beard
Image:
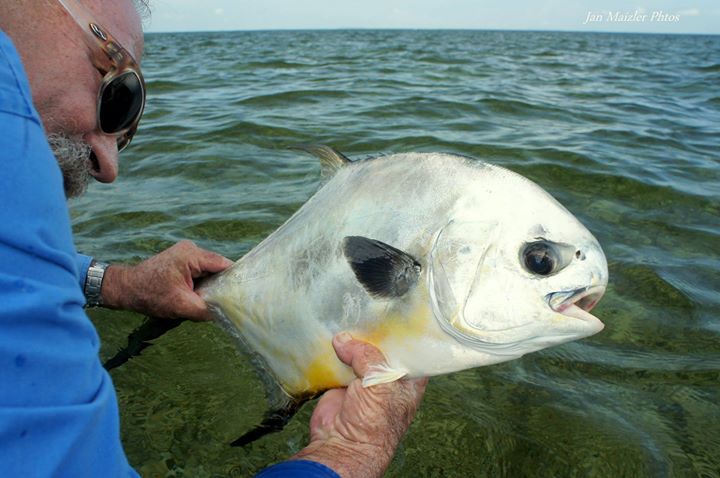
(73, 157)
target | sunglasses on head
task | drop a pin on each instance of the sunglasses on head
(121, 99)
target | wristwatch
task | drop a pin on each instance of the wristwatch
(93, 283)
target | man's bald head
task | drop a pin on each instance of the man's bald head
(65, 80)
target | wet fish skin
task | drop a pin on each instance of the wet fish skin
(462, 225)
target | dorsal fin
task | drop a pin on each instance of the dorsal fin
(330, 159)
(384, 271)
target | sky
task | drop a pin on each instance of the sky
(642, 16)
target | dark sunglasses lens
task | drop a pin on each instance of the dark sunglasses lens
(121, 102)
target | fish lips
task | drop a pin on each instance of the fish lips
(577, 304)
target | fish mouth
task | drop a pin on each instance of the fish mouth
(576, 303)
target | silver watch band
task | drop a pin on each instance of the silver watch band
(93, 284)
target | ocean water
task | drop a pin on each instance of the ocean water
(624, 130)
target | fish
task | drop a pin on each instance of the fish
(442, 261)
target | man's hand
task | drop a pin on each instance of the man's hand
(162, 286)
(356, 430)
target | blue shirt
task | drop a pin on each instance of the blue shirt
(82, 264)
(298, 469)
(58, 409)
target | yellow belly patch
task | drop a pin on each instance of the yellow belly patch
(324, 371)
(396, 327)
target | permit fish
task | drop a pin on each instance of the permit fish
(442, 261)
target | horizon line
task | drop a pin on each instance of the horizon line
(529, 30)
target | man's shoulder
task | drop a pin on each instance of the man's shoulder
(15, 97)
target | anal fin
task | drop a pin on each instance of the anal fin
(381, 373)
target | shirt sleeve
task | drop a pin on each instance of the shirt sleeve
(82, 263)
(298, 469)
(58, 409)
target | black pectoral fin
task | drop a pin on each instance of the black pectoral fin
(383, 270)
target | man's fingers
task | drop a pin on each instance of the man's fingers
(210, 262)
(205, 263)
(327, 409)
(417, 386)
(201, 262)
(357, 354)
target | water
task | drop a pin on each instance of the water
(623, 129)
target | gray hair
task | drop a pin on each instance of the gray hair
(143, 7)
(73, 157)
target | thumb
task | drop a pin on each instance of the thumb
(194, 307)
(357, 354)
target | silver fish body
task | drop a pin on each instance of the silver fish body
(443, 262)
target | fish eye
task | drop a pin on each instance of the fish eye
(540, 258)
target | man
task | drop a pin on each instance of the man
(58, 411)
